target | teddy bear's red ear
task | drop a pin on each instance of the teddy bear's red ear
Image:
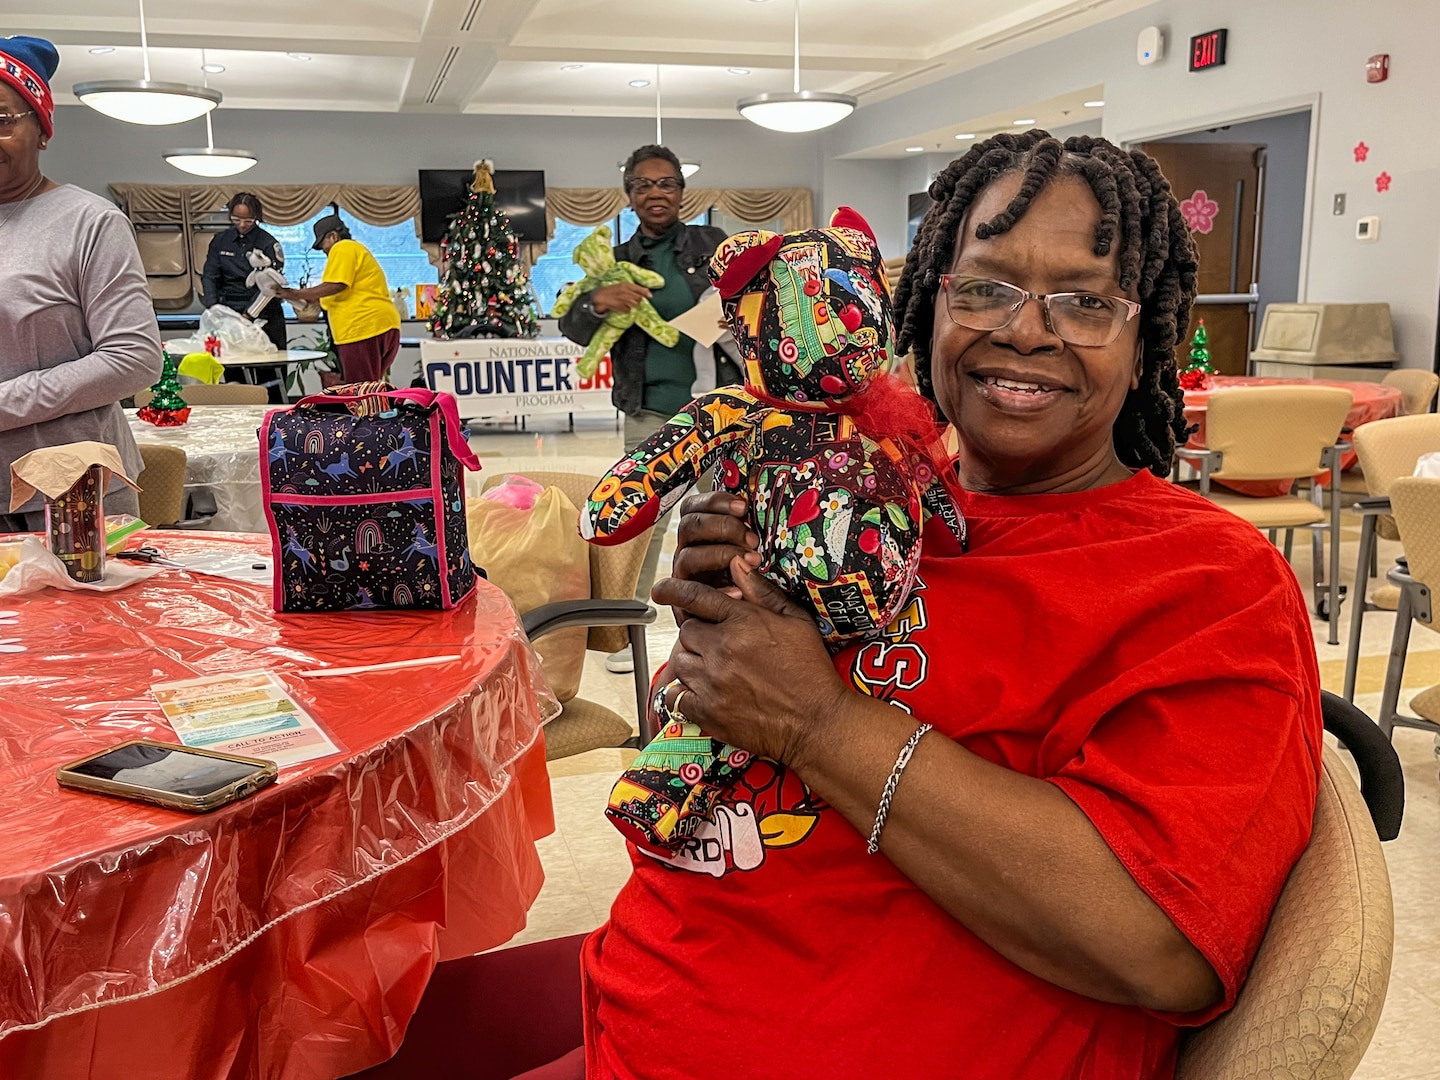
(740, 258)
(847, 218)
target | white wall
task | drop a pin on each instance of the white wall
(1281, 52)
(92, 151)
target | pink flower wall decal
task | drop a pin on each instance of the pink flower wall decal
(1361, 152)
(1199, 211)
(1382, 182)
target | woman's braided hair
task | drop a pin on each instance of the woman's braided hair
(1137, 212)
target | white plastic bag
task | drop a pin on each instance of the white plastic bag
(1428, 465)
(238, 335)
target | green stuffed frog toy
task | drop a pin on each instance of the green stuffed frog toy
(596, 256)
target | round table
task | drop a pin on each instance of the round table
(222, 461)
(1370, 401)
(291, 933)
(247, 362)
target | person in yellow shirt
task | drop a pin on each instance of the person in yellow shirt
(364, 323)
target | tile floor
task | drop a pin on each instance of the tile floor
(585, 862)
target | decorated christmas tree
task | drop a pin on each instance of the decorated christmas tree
(486, 286)
(166, 407)
(1196, 374)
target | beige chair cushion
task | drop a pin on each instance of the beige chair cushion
(1274, 432)
(583, 726)
(1388, 449)
(1282, 512)
(219, 394)
(162, 484)
(1427, 703)
(1416, 501)
(1318, 983)
(1386, 597)
(1416, 386)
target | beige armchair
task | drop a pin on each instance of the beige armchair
(218, 394)
(1388, 450)
(1317, 986)
(615, 619)
(1279, 433)
(1416, 386)
(1416, 504)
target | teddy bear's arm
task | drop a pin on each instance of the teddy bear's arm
(655, 476)
(568, 296)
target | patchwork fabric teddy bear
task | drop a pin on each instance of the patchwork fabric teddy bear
(596, 256)
(839, 461)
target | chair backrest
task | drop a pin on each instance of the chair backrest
(218, 394)
(1416, 386)
(1388, 449)
(1274, 432)
(614, 571)
(167, 265)
(1415, 501)
(1318, 982)
(162, 484)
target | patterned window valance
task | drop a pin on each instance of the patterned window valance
(285, 204)
(390, 204)
(794, 207)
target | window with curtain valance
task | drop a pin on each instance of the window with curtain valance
(390, 204)
(194, 209)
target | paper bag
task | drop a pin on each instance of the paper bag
(537, 557)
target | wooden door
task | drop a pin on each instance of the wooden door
(1218, 185)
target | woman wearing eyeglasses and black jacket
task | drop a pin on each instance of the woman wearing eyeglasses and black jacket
(228, 265)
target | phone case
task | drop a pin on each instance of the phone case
(264, 774)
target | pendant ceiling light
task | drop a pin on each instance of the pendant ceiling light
(144, 101)
(800, 110)
(210, 160)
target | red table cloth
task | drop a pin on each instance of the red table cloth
(1372, 401)
(291, 933)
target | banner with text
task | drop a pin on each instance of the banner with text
(492, 377)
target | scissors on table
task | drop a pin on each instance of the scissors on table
(149, 554)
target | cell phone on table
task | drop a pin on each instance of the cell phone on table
(168, 774)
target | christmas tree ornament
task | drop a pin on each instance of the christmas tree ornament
(466, 305)
(166, 408)
(1196, 374)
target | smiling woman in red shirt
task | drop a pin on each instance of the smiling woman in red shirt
(1110, 703)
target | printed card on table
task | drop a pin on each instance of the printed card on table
(247, 713)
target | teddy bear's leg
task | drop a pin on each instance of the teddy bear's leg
(671, 783)
(600, 344)
(649, 320)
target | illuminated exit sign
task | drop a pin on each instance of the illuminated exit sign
(1207, 50)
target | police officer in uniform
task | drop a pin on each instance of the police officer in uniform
(228, 265)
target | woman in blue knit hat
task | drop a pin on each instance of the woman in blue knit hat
(77, 324)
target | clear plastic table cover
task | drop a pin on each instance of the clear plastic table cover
(222, 467)
(298, 926)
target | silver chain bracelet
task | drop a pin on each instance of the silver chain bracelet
(873, 848)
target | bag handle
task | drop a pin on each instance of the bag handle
(449, 411)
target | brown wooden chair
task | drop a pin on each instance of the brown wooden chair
(615, 619)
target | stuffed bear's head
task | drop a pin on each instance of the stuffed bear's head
(810, 311)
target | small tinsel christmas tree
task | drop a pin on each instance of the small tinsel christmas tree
(486, 288)
(1196, 374)
(166, 407)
